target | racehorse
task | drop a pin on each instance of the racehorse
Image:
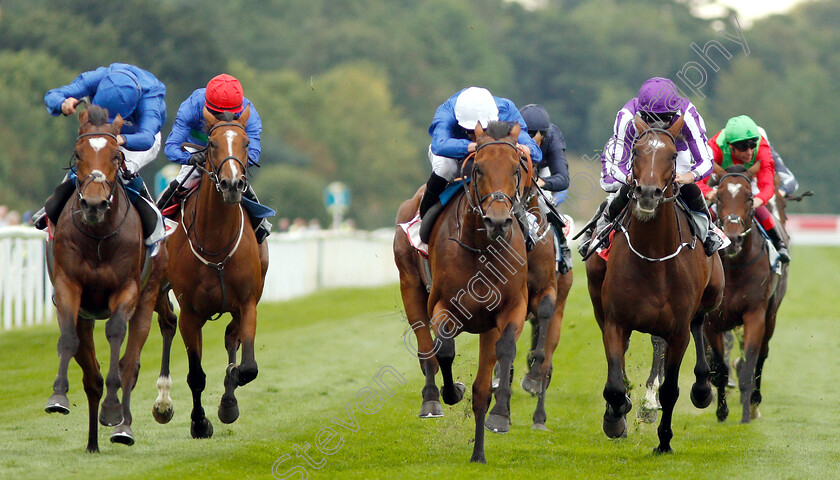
(215, 266)
(752, 294)
(98, 267)
(479, 280)
(657, 280)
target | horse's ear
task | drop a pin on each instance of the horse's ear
(514, 132)
(753, 171)
(479, 132)
(243, 117)
(209, 119)
(83, 116)
(718, 170)
(640, 124)
(674, 130)
(117, 124)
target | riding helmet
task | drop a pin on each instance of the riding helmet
(224, 94)
(474, 105)
(119, 93)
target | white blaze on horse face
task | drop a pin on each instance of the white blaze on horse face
(97, 143)
(653, 145)
(733, 188)
(230, 135)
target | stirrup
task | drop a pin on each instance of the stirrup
(39, 219)
(784, 255)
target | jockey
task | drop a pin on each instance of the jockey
(222, 94)
(741, 143)
(553, 170)
(138, 97)
(659, 105)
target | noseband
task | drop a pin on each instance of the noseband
(215, 173)
(733, 218)
(498, 195)
(671, 182)
(95, 176)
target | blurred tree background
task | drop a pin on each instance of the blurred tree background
(346, 88)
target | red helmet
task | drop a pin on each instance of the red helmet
(224, 94)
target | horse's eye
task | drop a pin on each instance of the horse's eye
(213, 144)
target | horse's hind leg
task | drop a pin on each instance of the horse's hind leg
(163, 410)
(190, 327)
(701, 391)
(67, 297)
(444, 348)
(414, 299)
(648, 412)
(229, 408)
(615, 391)
(670, 390)
(111, 412)
(91, 379)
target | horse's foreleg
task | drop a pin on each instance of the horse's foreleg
(755, 399)
(190, 327)
(650, 405)
(446, 328)
(91, 379)
(615, 390)
(499, 419)
(67, 298)
(163, 409)
(753, 338)
(122, 307)
(719, 371)
(481, 390)
(229, 408)
(670, 390)
(701, 391)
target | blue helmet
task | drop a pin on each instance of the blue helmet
(118, 92)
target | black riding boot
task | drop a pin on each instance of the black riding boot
(565, 263)
(165, 198)
(55, 203)
(434, 187)
(262, 227)
(614, 207)
(775, 235)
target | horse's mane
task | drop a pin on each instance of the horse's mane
(736, 169)
(498, 130)
(97, 116)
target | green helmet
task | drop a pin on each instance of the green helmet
(740, 128)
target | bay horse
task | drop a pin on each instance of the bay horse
(96, 260)
(657, 280)
(216, 266)
(752, 295)
(479, 271)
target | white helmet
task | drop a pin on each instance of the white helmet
(474, 105)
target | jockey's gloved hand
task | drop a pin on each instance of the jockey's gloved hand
(127, 175)
(197, 158)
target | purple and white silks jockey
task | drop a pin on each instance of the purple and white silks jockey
(693, 153)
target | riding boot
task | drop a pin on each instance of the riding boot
(564, 263)
(150, 217)
(434, 187)
(586, 236)
(693, 198)
(614, 207)
(168, 194)
(525, 223)
(775, 235)
(262, 227)
(55, 203)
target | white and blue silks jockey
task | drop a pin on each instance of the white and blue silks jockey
(453, 130)
(223, 94)
(137, 96)
(659, 105)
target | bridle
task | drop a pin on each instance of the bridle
(473, 193)
(671, 182)
(215, 173)
(733, 218)
(96, 176)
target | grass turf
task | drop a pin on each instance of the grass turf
(318, 355)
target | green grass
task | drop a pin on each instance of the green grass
(316, 353)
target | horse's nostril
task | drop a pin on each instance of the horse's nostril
(637, 192)
(84, 204)
(224, 183)
(658, 193)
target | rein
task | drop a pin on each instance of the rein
(215, 173)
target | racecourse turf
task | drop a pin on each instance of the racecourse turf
(318, 357)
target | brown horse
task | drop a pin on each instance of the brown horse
(97, 268)
(547, 293)
(752, 295)
(216, 266)
(479, 273)
(658, 280)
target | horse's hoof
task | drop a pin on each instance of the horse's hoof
(754, 413)
(123, 435)
(110, 414)
(662, 449)
(531, 386)
(202, 429)
(453, 398)
(539, 426)
(497, 423)
(647, 415)
(58, 404)
(722, 412)
(228, 410)
(615, 427)
(478, 457)
(701, 395)
(163, 416)
(431, 409)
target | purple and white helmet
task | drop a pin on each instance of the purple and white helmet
(659, 95)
